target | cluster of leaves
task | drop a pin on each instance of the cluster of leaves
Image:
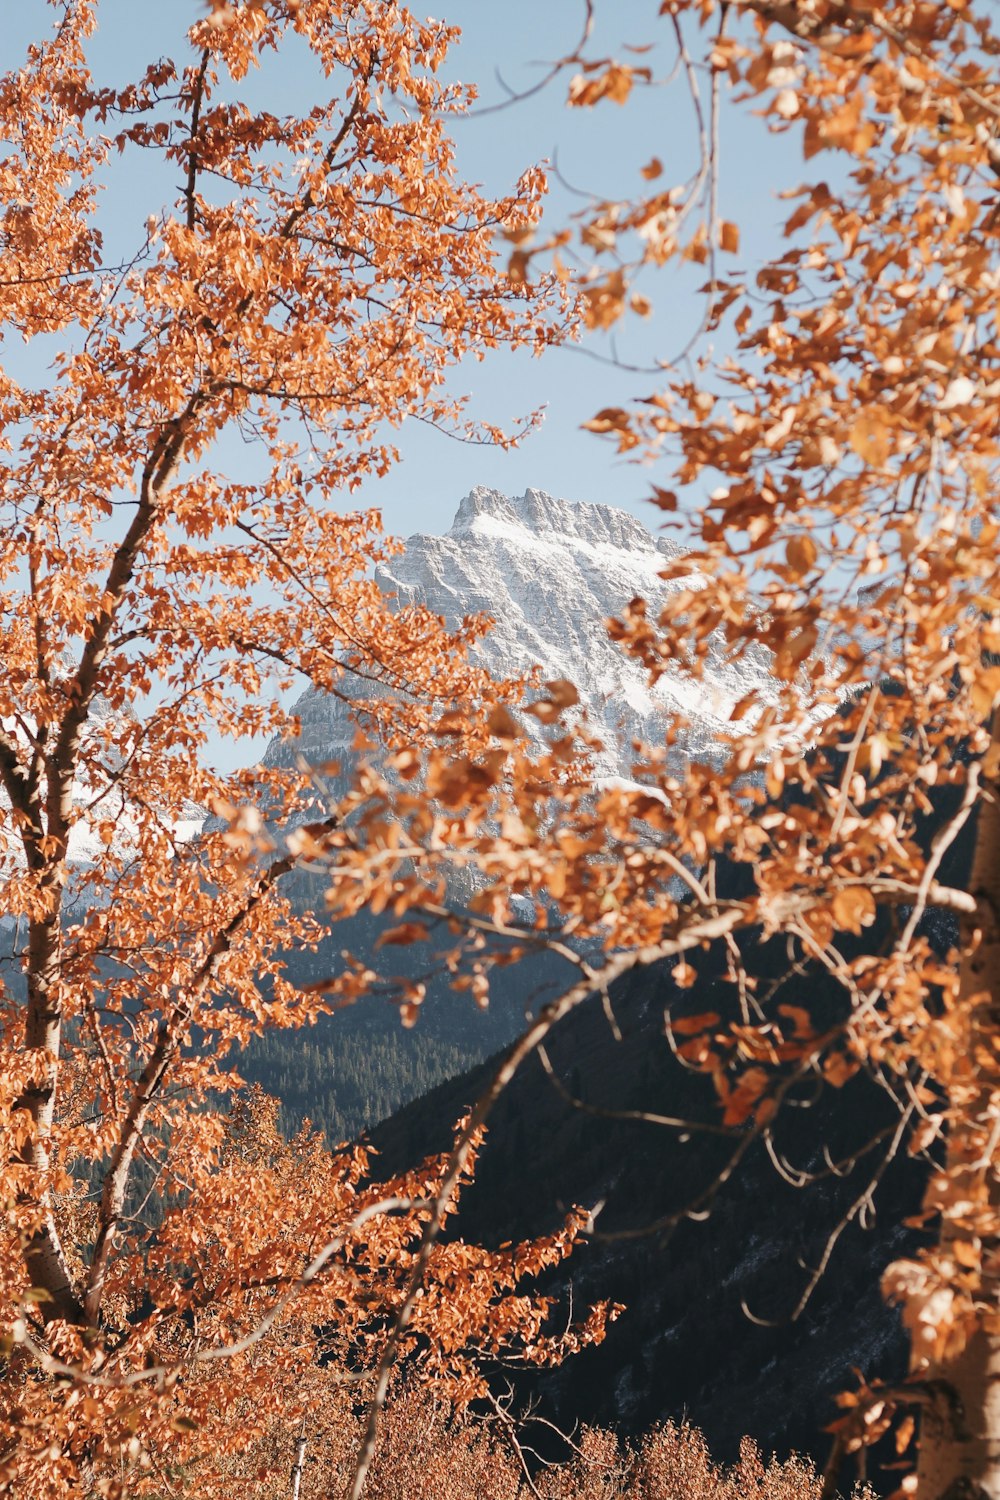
(262, 1293)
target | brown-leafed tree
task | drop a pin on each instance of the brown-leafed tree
(829, 447)
(834, 474)
(304, 285)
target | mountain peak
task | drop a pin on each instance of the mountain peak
(549, 573)
(489, 512)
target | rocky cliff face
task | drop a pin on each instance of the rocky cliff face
(549, 572)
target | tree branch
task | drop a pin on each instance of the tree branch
(116, 1180)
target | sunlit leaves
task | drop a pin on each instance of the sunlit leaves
(800, 555)
(151, 602)
(611, 80)
(729, 237)
(827, 451)
(831, 462)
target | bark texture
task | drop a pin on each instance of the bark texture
(960, 1438)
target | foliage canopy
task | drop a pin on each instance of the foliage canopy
(309, 286)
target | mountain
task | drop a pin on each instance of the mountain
(707, 1332)
(549, 573)
(712, 1328)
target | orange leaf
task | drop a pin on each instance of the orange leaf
(839, 1069)
(800, 555)
(742, 706)
(691, 1025)
(799, 1017)
(562, 692)
(729, 236)
(869, 437)
(502, 724)
(853, 908)
(609, 419)
(401, 936)
(904, 1433)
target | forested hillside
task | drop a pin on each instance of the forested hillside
(727, 1318)
(354, 1067)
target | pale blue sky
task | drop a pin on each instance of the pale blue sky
(600, 150)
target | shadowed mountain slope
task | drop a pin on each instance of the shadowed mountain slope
(712, 1329)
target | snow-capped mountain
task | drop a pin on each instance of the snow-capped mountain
(549, 572)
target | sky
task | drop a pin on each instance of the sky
(597, 151)
(594, 151)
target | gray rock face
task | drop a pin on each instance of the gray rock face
(550, 573)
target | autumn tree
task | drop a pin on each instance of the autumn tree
(828, 454)
(831, 464)
(304, 283)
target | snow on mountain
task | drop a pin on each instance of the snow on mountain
(97, 799)
(549, 572)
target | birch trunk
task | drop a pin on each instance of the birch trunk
(300, 1453)
(44, 1257)
(960, 1435)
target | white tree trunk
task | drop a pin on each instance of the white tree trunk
(960, 1430)
(300, 1453)
(960, 1433)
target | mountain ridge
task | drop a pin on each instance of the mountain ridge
(550, 573)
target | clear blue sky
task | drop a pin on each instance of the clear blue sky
(600, 150)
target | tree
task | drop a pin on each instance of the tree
(834, 469)
(833, 472)
(307, 288)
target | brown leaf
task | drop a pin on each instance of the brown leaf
(729, 237)
(502, 724)
(609, 419)
(800, 555)
(800, 1019)
(869, 437)
(403, 935)
(615, 83)
(853, 908)
(904, 1433)
(691, 1025)
(562, 692)
(838, 1069)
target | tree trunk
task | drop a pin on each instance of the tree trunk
(960, 1432)
(300, 1453)
(45, 1259)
